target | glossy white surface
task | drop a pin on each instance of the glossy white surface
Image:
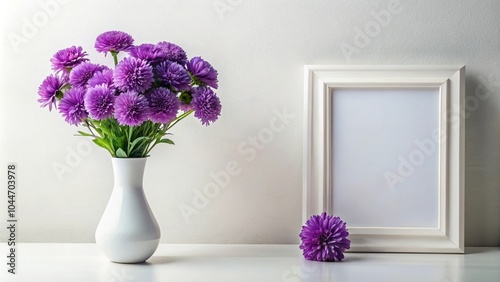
(253, 263)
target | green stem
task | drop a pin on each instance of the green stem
(179, 118)
(129, 137)
(90, 126)
(164, 128)
(150, 148)
(115, 57)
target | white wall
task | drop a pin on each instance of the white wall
(259, 48)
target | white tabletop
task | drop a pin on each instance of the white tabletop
(255, 263)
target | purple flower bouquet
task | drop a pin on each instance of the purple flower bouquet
(129, 109)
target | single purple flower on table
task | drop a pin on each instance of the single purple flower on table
(72, 106)
(102, 77)
(206, 105)
(203, 71)
(99, 102)
(131, 109)
(324, 238)
(49, 90)
(81, 74)
(148, 52)
(172, 52)
(66, 59)
(163, 105)
(113, 41)
(173, 74)
(133, 74)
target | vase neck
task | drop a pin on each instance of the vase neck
(128, 172)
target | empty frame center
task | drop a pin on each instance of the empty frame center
(385, 158)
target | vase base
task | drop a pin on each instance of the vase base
(129, 262)
(129, 252)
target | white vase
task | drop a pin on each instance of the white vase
(128, 231)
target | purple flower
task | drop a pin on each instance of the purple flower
(185, 107)
(80, 75)
(113, 41)
(173, 74)
(203, 71)
(72, 106)
(172, 52)
(148, 52)
(163, 105)
(99, 102)
(50, 89)
(133, 74)
(206, 105)
(66, 59)
(324, 238)
(102, 77)
(185, 100)
(131, 109)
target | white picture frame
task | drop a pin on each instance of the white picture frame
(375, 226)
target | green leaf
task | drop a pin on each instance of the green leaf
(101, 143)
(137, 140)
(98, 130)
(120, 153)
(168, 141)
(83, 133)
(105, 131)
(119, 142)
